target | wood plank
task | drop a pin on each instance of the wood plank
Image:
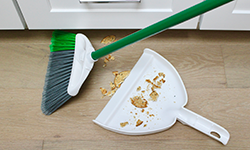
(21, 144)
(25, 36)
(200, 66)
(141, 144)
(237, 65)
(23, 65)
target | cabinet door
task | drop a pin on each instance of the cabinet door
(71, 14)
(232, 16)
(9, 16)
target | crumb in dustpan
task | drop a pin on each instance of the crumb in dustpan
(143, 97)
(154, 95)
(153, 85)
(123, 124)
(161, 74)
(138, 122)
(151, 115)
(155, 78)
(137, 101)
(139, 88)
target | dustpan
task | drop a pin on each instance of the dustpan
(121, 115)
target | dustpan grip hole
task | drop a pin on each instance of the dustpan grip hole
(204, 125)
(213, 133)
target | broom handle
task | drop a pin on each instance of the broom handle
(160, 26)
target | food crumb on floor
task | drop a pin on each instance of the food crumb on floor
(118, 80)
(108, 39)
(108, 59)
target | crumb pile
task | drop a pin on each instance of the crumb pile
(141, 102)
(119, 79)
(108, 39)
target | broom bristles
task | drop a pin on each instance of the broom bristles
(58, 71)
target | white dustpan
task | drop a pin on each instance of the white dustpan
(158, 115)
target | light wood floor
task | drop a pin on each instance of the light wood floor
(214, 66)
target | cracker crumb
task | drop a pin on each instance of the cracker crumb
(155, 78)
(149, 81)
(159, 83)
(112, 58)
(139, 88)
(109, 93)
(154, 95)
(144, 125)
(120, 77)
(142, 110)
(153, 85)
(162, 80)
(161, 74)
(137, 101)
(151, 115)
(138, 122)
(107, 59)
(108, 39)
(115, 73)
(112, 85)
(103, 90)
(123, 124)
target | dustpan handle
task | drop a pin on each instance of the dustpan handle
(204, 125)
(160, 26)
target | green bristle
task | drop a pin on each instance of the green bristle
(62, 40)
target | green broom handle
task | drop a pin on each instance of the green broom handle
(160, 26)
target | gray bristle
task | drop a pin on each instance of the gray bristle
(57, 80)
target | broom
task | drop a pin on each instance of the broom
(70, 61)
(58, 71)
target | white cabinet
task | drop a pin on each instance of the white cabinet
(71, 14)
(9, 16)
(232, 16)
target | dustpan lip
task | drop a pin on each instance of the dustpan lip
(122, 131)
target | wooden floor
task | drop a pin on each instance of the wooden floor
(214, 66)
